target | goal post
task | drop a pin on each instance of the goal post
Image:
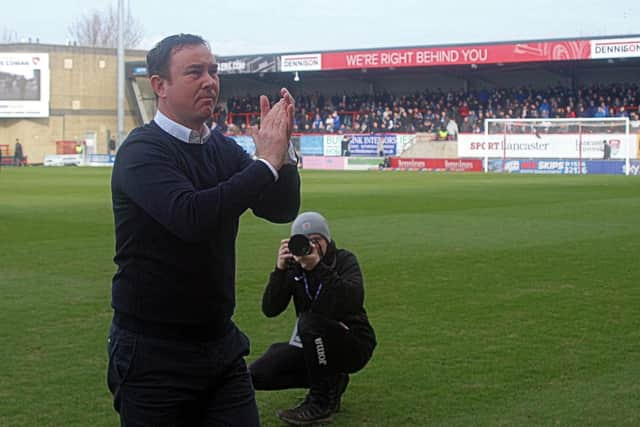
(570, 143)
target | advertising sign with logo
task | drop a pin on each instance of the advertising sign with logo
(311, 145)
(368, 145)
(586, 146)
(63, 160)
(302, 62)
(615, 48)
(547, 166)
(404, 139)
(24, 85)
(634, 167)
(450, 165)
(564, 167)
(247, 64)
(332, 144)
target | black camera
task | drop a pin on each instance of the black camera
(300, 245)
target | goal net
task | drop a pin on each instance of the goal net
(556, 145)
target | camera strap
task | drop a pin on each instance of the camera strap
(306, 287)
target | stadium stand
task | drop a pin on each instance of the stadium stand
(431, 111)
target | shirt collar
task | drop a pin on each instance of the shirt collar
(181, 132)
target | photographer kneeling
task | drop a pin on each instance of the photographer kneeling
(332, 336)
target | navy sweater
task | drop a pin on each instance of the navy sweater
(176, 208)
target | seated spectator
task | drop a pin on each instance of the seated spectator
(317, 125)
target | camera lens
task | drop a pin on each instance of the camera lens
(299, 245)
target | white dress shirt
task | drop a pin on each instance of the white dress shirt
(190, 136)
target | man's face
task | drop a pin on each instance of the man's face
(189, 94)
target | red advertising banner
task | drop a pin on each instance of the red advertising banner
(459, 55)
(453, 165)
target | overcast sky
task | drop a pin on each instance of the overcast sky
(257, 26)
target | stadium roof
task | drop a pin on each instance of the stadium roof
(507, 52)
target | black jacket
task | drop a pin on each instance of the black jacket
(341, 296)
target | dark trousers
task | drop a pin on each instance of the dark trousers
(168, 383)
(328, 349)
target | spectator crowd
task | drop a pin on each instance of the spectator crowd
(444, 113)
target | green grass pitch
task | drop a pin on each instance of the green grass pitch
(498, 300)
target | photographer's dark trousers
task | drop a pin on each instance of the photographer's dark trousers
(329, 348)
(163, 382)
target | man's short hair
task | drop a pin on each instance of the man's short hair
(159, 57)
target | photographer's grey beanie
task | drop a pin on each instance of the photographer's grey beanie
(311, 223)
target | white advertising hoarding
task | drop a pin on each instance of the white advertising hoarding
(63, 160)
(566, 146)
(302, 62)
(332, 144)
(615, 48)
(24, 84)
